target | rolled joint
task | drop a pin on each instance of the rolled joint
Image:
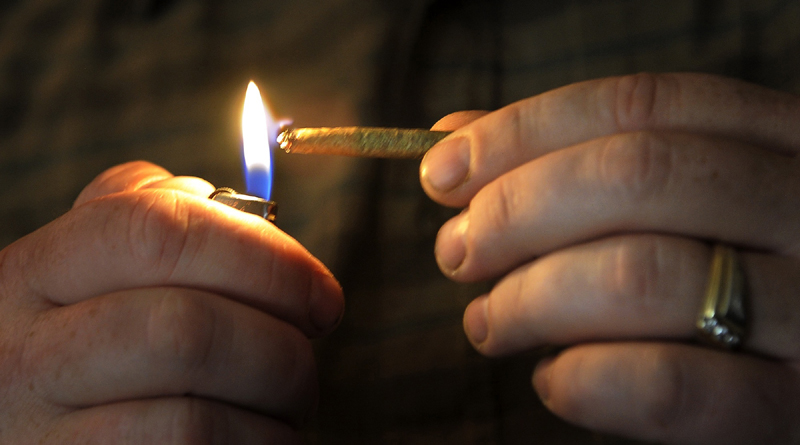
(398, 143)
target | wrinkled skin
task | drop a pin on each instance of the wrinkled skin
(596, 206)
(150, 314)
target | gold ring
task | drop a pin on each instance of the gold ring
(722, 321)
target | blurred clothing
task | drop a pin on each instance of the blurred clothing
(87, 84)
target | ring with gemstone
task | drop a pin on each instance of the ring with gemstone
(722, 320)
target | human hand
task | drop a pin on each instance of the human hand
(595, 204)
(150, 314)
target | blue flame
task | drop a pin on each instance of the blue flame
(258, 180)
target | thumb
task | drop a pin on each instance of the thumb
(138, 175)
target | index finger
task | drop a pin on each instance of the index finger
(697, 103)
(159, 237)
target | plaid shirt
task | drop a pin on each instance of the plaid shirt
(88, 84)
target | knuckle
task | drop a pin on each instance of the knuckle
(500, 203)
(180, 331)
(196, 422)
(638, 99)
(156, 228)
(633, 281)
(636, 166)
(517, 122)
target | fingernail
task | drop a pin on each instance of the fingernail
(450, 247)
(475, 323)
(541, 379)
(327, 304)
(446, 165)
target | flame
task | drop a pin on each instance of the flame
(259, 135)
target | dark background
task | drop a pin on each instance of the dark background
(86, 84)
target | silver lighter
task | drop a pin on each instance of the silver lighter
(246, 203)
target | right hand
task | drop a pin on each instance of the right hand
(595, 206)
(150, 314)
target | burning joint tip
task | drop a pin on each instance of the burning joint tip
(285, 139)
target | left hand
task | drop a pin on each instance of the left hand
(151, 314)
(595, 204)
